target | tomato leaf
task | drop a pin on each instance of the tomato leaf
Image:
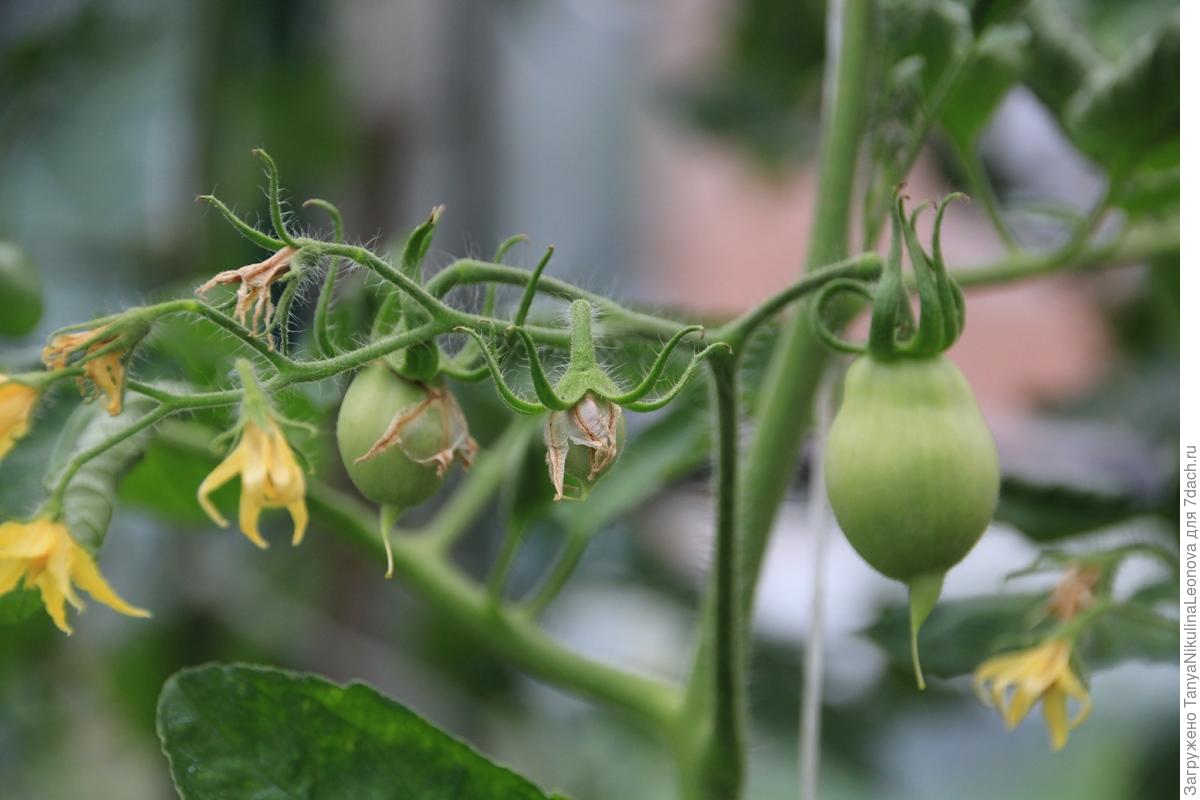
(1050, 513)
(959, 634)
(998, 60)
(255, 732)
(92, 495)
(1128, 114)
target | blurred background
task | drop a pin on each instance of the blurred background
(666, 149)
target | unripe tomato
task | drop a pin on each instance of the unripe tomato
(20, 291)
(910, 465)
(425, 426)
(582, 444)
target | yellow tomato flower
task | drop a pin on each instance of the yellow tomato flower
(16, 407)
(271, 478)
(43, 553)
(1042, 672)
(104, 365)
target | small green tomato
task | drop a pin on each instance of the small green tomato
(911, 466)
(397, 437)
(582, 444)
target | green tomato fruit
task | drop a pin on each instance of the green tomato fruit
(910, 466)
(582, 444)
(20, 292)
(397, 437)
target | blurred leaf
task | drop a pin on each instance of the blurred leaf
(20, 291)
(1050, 513)
(1128, 114)
(92, 495)
(960, 634)
(765, 92)
(1149, 193)
(241, 731)
(19, 605)
(1132, 633)
(985, 13)
(175, 497)
(1061, 55)
(937, 31)
(998, 60)
(1153, 594)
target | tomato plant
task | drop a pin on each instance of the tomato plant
(235, 397)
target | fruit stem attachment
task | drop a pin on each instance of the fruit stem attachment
(923, 594)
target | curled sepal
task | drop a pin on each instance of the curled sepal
(321, 325)
(418, 242)
(930, 337)
(821, 302)
(891, 314)
(951, 293)
(923, 594)
(541, 381)
(506, 245)
(656, 369)
(244, 228)
(531, 288)
(506, 392)
(942, 308)
(670, 394)
(276, 204)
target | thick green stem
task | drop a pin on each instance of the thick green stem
(799, 359)
(719, 767)
(505, 630)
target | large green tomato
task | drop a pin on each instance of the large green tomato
(910, 465)
(406, 471)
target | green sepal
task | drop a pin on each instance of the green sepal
(923, 594)
(417, 245)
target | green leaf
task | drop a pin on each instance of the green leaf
(1061, 56)
(1050, 513)
(937, 31)
(19, 605)
(1128, 114)
(960, 634)
(985, 13)
(997, 62)
(20, 291)
(92, 495)
(259, 734)
(1130, 633)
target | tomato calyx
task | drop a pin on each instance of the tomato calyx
(895, 332)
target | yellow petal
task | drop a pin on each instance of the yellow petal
(26, 540)
(299, 512)
(87, 575)
(217, 478)
(58, 567)
(1054, 706)
(54, 602)
(249, 508)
